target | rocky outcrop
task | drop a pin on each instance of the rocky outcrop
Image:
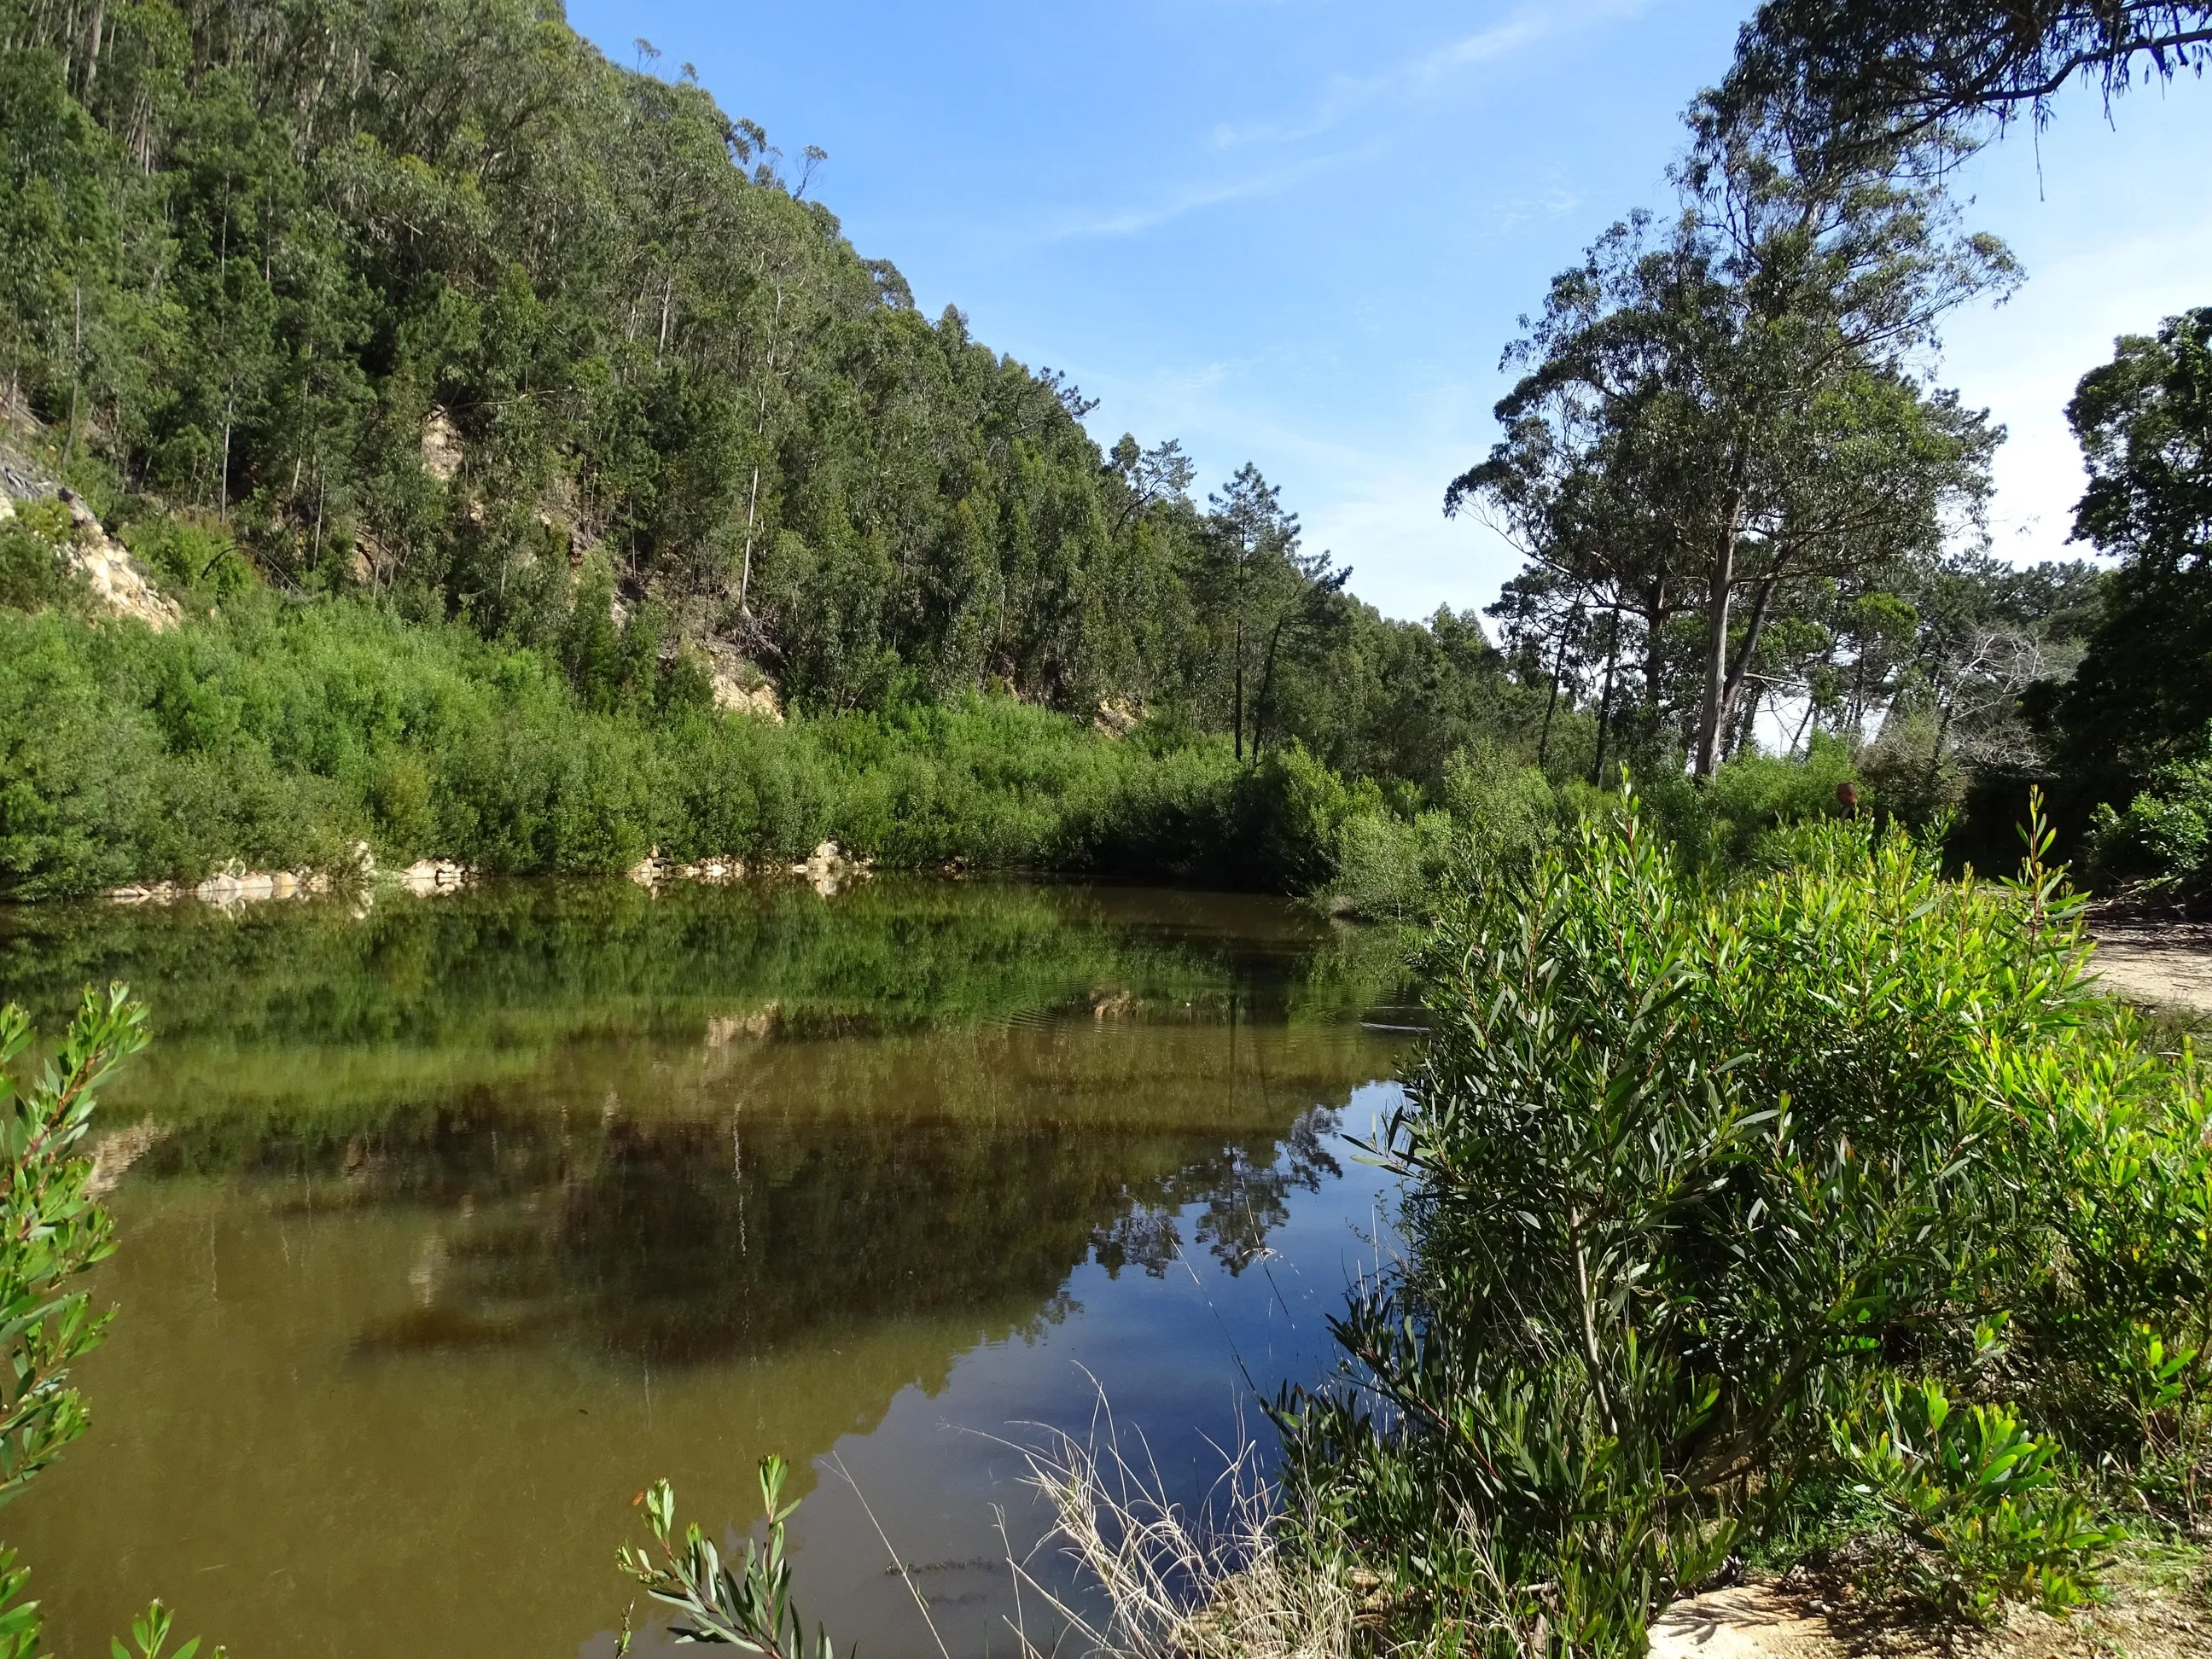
(428, 876)
(829, 868)
(652, 871)
(119, 584)
(234, 885)
(441, 446)
(739, 687)
(1117, 717)
(229, 888)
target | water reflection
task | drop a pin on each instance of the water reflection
(443, 1229)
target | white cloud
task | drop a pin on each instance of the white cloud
(2023, 360)
(1344, 97)
(1130, 220)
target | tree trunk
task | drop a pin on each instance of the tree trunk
(1721, 589)
(1551, 703)
(1754, 629)
(92, 51)
(1605, 705)
(1267, 688)
(1237, 711)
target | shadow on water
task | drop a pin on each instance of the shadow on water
(446, 1226)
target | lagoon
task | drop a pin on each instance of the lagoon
(446, 1222)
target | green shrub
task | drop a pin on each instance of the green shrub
(32, 575)
(189, 556)
(1694, 1164)
(2164, 838)
(279, 733)
(1976, 1506)
(1729, 821)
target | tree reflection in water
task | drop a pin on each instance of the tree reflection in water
(478, 1211)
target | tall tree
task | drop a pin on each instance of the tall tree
(1251, 577)
(1734, 404)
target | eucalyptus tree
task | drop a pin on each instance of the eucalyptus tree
(1734, 402)
(1938, 74)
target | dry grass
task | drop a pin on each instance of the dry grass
(1159, 1580)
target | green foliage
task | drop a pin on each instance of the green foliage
(1722, 427)
(50, 1229)
(2142, 695)
(280, 734)
(1748, 812)
(1853, 75)
(1397, 865)
(1694, 1164)
(32, 575)
(1979, 1512)
(2164, 838)
(149, 1637)
(439, 303)
(189, 556)
(723, 1603)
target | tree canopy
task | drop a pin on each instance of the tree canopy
(1724, 421)
(427, 300)
(1858, 72)
(2142, 695)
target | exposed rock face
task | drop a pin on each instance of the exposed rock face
(441, 446)
(434, 876)
(1117, 717)
(739, 687)
(119, 583)
(760, 703)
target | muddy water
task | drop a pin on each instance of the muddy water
(446, 1227)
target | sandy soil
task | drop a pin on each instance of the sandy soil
(2157, 1607)
(2164, 963)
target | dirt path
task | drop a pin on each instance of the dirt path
(2156, 1607)
(2165, 964)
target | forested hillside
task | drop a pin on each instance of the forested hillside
(424, 308)
(429, 299)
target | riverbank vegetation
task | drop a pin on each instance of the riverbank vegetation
(1826, 1210)
(496, 414)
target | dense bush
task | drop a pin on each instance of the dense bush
(32, 574)
(1835, 1179)
(2164, 838)
(279, 734)
(1727, 820)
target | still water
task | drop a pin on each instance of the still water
(446, 1227)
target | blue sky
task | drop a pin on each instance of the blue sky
(1300, 232)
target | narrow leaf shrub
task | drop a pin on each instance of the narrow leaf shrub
(1701, 1176)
